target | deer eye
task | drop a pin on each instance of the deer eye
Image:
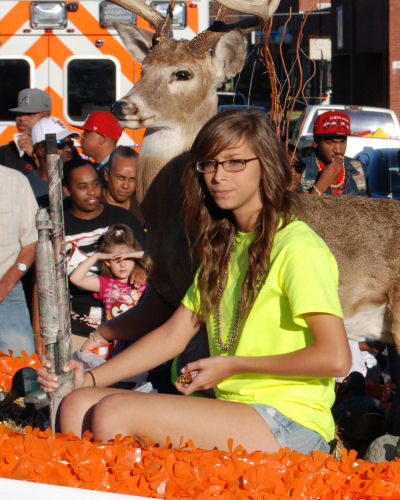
(183, 75)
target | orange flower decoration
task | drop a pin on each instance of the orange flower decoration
(123, 466)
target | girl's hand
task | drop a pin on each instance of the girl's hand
(90, 343)
(105, 256)
(205, 374)
(136, 254)
(49, 382)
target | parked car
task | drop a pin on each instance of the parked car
(230, 98)
(382, 172)
(371, 127)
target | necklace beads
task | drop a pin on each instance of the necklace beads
(339, 186)
(235, 329)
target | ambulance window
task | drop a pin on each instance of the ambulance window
(91, 85)
(14, 76)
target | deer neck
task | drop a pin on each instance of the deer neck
(159, 147)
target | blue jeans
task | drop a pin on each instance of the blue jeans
(289, 433)
(15, 325)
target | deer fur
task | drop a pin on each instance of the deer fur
(361, 232)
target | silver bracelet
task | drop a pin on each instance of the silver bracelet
(93, 337)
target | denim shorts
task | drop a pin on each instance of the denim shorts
(289, 433)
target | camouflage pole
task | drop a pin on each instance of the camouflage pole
(55, 327)
(57, 229)
(47, 292)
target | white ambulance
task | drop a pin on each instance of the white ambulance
(70, 49)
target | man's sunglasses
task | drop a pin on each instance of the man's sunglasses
(63, 144)
(299, 166)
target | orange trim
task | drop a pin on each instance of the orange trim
(57, 109)
(192, 16)
(142, 23)
(58, 51)
(38, 51)
(8, 134)
(14, 19)
(86, 23)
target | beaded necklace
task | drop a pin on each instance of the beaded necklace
(235, 329)
(339, 186)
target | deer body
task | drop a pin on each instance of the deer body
(174, 98)
(362, 233)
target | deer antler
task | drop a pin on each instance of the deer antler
(166, 30)
(262, 9)
(163, 26)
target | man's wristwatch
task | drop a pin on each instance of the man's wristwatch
(22, 267)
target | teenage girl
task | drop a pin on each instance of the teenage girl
(117, 253)
(267, 290)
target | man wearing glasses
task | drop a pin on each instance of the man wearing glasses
(65, 148)
(33, 105)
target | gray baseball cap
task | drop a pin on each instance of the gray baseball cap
(32, 101)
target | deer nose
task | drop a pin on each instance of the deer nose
(117, 109)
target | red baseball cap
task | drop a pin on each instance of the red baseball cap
(104, 123)
(332, 123)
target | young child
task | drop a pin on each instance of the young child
(267, 289)
(117, 254)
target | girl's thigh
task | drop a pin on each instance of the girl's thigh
(208, 422)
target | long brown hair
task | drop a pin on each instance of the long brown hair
(212, 228)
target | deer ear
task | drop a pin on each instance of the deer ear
(230, 54)
(137, 40)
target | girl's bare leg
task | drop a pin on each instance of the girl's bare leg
(77, 408)
(208, 422)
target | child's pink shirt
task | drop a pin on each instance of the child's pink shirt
(117, 296)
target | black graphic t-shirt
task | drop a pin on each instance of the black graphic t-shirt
(82, 238)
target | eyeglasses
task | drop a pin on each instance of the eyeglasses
(63, 144)
(210, 166)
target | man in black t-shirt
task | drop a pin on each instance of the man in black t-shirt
(86, 220)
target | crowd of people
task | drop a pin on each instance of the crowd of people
(98, 192)
(266, 289)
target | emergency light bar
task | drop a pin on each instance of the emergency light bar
(179, 16)
(110, 13)
(48, 14)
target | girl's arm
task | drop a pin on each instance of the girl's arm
(79, 276)
(328, 356)
(157, 347)
(134, 254)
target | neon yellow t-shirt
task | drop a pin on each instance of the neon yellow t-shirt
(303, 278)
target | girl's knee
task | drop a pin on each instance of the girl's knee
(73, 410)
(105, 418)
(75, 399)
